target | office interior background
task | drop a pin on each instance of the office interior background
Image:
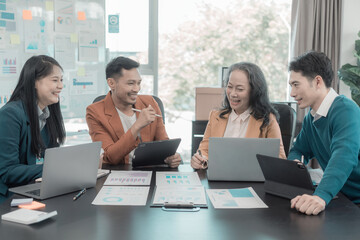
(180, 45)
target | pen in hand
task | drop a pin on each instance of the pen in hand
(137, 110)
(204, 163)
(79, 194)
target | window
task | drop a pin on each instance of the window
(197, 38)
(135, 36)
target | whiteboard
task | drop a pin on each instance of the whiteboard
(73, 32)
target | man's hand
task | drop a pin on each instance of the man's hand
(146, 116)
(173, 161)
(310, 205)
(197, 161)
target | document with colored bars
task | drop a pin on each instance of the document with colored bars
(178, 188)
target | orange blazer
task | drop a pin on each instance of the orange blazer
(105, 125)
(216, 128)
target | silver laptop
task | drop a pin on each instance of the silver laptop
(234, 159)
(66, 169)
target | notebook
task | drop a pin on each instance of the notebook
(285, 178)
(27, 216)
(66, 169)
(234, 159)
(154, 153)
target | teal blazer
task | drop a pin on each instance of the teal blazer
(17, 162)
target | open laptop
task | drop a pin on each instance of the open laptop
(285, 178)
(234, 159)
(154, 153)
(66, 169)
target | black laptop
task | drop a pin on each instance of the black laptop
(285, 178)
(154, 153)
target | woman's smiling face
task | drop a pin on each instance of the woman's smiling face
(238, 91)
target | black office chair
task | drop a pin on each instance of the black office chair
(287, 123)
(198, 130)
(99, 98)
(157, 99)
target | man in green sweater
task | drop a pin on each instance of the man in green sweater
(330, 133)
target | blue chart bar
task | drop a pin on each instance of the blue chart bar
(2, 7)
(7, 15)
(75, 83)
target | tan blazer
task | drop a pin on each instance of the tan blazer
(105, 125)
(216, 128)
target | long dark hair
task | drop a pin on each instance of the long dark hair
(35, 68)
(259, 99)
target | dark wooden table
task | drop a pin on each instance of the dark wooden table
(82, 220)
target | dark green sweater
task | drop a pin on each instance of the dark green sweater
(334, 141)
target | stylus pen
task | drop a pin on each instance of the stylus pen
(137, 110)
(79, 194)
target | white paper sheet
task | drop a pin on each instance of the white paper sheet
(9, 63)
(177, 179)
(235, 198)
(182, 194)
(122, 196)
(316, 175)
(80, 85)
(64, 16)
(129, 178)
(64, 51)
(88, 47)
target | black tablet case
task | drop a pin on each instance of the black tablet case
(154, 153)
(285, 178)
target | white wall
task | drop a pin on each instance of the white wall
(350, 28)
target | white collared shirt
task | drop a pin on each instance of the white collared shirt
(237, 124)
(43, 115)
(325, 105)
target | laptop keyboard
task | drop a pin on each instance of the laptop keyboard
(35, 192)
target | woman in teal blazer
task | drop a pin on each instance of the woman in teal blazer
(30, 122)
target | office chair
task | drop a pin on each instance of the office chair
(99, 98)
(287, 123)
(157, 99)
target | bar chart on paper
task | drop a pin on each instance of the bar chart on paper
(177, 179)
(129, 178)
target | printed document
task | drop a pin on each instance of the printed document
(129, 178)
(177, 179)
(180, 194)
(235, 198)
(122, 195)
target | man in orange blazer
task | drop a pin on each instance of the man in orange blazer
(114, 122)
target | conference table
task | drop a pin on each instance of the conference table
(82, 220)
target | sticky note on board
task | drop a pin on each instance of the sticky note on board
(49, 6)
(34, 205)
(81, 71)
(14, 39)
(27, 15)
(81, 16)
(73, 38)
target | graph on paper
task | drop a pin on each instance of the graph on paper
(177, 179)
(122, 195)
(129, 178)
(180, 194)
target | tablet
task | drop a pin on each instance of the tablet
(154, 153)
(285, 178)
